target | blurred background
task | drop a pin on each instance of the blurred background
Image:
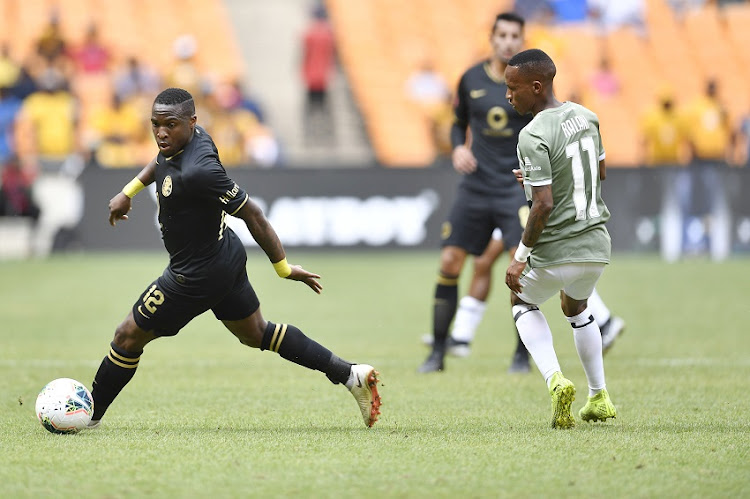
(335, 115)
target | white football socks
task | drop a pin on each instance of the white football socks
(588, 340)
(468, 317)
(535, 333)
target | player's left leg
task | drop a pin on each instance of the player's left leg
(587, 337)
(293, 345)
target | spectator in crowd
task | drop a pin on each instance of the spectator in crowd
(247, 101)
(10, 105)
(318, 66)
(92, 56)
(604, 81)
(662, 133)
(15, 191)
(710, 140)
(9, 69)
(136, 79)
(185, 73)
(570, 11)
(426, 86)
(51, 44)
(533, 10)
(48, 121)
(117, 134)
(24, 84)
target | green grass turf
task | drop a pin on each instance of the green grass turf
(205, 415)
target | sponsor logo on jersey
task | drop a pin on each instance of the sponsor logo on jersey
(166, 186)
(475, 94)
(528, 167)
(229, 195)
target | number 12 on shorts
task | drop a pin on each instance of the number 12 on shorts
(573, 151)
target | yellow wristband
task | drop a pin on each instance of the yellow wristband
(282, 268)
(134, 187)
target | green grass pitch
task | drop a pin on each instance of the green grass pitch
(205, 415)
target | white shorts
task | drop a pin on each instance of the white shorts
(577, 280)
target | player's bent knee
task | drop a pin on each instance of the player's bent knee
(130, 337)
(452, 261)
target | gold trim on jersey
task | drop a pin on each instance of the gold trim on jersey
(247, 196)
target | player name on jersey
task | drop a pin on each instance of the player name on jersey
(573, 125)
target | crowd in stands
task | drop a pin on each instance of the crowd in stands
(84, 101)
(66, 106)
(672, 132)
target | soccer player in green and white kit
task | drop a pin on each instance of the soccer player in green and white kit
(565, 245)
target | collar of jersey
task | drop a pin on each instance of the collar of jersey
(175, 155)
(491, 74)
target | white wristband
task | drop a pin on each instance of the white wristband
(522, 252)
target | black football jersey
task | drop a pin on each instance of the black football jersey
(481, 105)
(194, 194)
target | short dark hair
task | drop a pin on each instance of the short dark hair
(534, 62)
(510, 17)
(177, 97)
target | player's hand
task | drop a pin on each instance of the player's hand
(463, 160)
(519, 176)
(300, 274)
(513, 275)
(119, 206)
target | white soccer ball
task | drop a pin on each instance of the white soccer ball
(64, 406)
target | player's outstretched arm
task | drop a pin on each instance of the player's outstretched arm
(120, 205)
(266, 237)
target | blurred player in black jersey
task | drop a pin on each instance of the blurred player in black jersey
(206, 268)
(488, 198)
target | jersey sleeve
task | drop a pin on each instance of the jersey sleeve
(460, 115)
(533, 154)
(595, 120)
(210, 181)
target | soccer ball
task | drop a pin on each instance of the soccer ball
(64, 406)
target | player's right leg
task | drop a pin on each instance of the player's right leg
(118, 367)
(471, 308)
(157, 312)
(452, 259)
(538, 286)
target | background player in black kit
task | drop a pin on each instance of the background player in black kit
(207, 263)
(488, 196)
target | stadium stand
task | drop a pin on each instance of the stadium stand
(381, 40)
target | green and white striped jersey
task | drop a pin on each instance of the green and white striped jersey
(562, 146)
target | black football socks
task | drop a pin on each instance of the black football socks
(291, 343)
(115, 371)
(444, 309)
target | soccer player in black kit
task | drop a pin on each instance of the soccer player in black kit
(207, 264)
(488, 196)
